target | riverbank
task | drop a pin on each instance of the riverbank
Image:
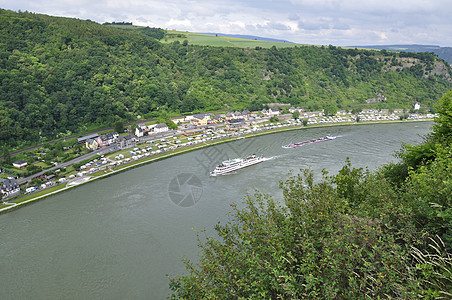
(31, 198)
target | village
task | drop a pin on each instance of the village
(103, 153)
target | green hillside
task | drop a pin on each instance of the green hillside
(61, 76)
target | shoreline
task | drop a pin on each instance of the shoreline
(79, 182)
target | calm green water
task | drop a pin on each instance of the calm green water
(118, 237)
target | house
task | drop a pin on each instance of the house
(139, 132)
(217, 118)
(310, 114)
(273, 112)
(179, 120)
(188, 118)
(229, 115)
(200, 119)
(107, 139)
(127, 142)
(50, 177)
(20, 164)
(92, 144)
(83, 139)
(300, 109)
(162, 127)
(417, 106)
(103, 141)
(236, 123)
(9, 187)
(245, 114)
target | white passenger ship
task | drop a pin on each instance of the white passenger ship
(228, 166)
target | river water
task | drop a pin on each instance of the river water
(117, 238)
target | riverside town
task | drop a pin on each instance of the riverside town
(89, 157)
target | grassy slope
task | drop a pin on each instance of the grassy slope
(200, 39)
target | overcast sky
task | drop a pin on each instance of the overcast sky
(319, 22)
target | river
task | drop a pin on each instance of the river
(118, 237)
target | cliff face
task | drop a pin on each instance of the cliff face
(442, 52)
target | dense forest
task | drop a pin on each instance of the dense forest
(62, 76)
(353, 235)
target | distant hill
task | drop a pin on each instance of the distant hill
(249, 37)
(442, 52)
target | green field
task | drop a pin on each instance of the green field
(219, 41)
(211, 40)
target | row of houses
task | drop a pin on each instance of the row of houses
(143, 129)
(205, 118)
(95, 141)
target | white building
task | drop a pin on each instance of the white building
(9, 187)
(139, 132)
(162, 127)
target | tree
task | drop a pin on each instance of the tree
(356, 111)
(119, 127)
(443, 124)
(310, 247)
(296, 114)
(330, 110)
(133, 127)
(7, 160)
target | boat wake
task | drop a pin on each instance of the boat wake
(271, 158)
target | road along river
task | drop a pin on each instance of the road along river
(116, 238)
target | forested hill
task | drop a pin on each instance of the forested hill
(61, 76)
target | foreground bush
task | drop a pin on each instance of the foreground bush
(308, 247)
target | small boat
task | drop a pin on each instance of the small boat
(231, 165)
(324, 139)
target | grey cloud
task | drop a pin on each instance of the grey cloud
(278, 26)
(313, 25)
(346, 22)
(341, 26)
(293, 17)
